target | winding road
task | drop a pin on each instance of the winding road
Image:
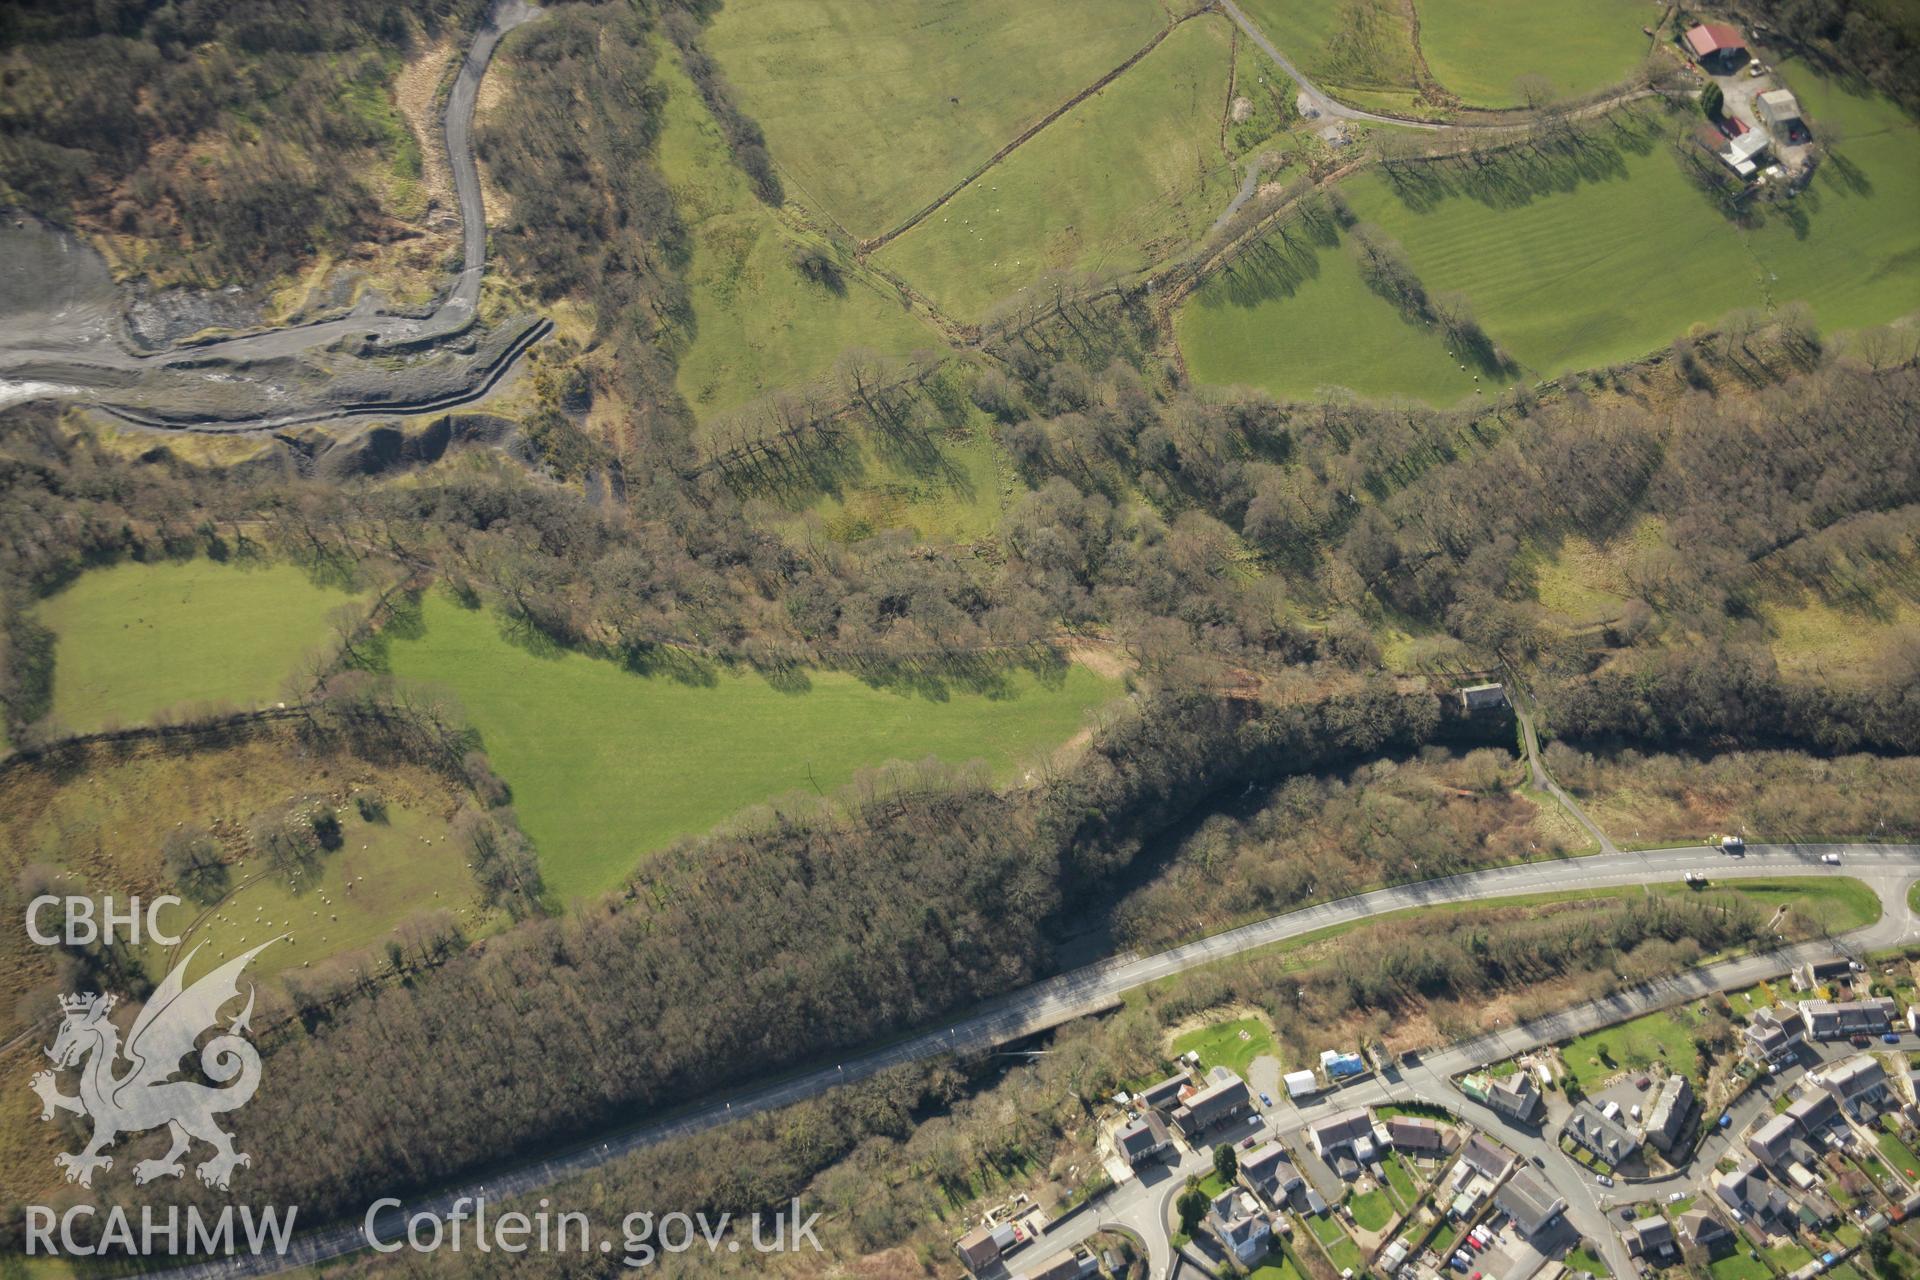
(76, 348)
(1889, 869)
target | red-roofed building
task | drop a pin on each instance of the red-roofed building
(1716, 43)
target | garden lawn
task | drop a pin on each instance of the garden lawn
(1585, 1259)
(872, 109)
(757, 323)
(136, 639)
(607, 765)
(1738, 1266)
(1478, 49)
(1223, 1046)
(1249, 326)
(1346, 1256)
(1123, 180)
(1371, 1210)
(1899, 1154)
(1631, 1046)
(1276, 1267)
(1400, 1178)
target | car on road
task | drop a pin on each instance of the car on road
(1603, 1179)
(1541, 1161)
(1626, 1213)
(1890, 1038)
(1732, 844)
(1831, 859)
(1265, 1101)
(1250, 1141)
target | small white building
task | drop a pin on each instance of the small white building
(1301, 1084)
(1742, 154)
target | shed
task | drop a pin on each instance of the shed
(1715, 40)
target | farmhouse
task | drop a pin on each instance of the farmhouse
(1772, 1036)
(1716, 46)
(1210, 1106)
(1143, 1141)
(1531, 1203)
(1605, 1137)
(1667, 1123)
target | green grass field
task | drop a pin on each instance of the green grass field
(1360, 50)
(1233, 1045)
(606, 765)
(873, 109)
(385, 872)
(1595, 272)
(1238, 329)
(1631, 1046)
(1371, 1210)
(1478, 49)
(951, 494)
(136, 639)
(758, 324)
(1123, 180)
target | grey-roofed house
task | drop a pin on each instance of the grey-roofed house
(1813, 973)
(1209, 1106)
(1703, 1228)
(1245, 1235)
(1772, 1035)
(1531, 1203)
(1270, 1173)
(1143, 1141)
(1477, 698)
(1066, 1267)
(1773, 1141)
(1486, 1157)
(1606, 1138)
(1407, 1133)
(1649, 1237)
(1838, 1019)
(1165, 1096)
(1515, 1096)
(1854, 1083)
(1747, 1188)
(1812, 1110)
(1667, 1122)
(1346, 1129)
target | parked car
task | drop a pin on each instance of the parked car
(1858, 1042)
(1603, 1179)
(1250, 1141)
(1541, 1161)
(1675, 1197)
(1890, 1038)
(1265, 1101)
(1642, 1082)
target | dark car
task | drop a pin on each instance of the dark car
(1642, 1082)
(1858, 1042)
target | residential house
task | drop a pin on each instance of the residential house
(1515, 1096)
(1667, 1122)
(1531, 1203)
(1858, 1082)
(1772, 1142)
(1839, 1019)
(1346, 1129)
(1716, 46)
(1165, 1096)
(1143, 1141)
(1486, 1157)
(1210, 1106)
(1748, 1189)
(1703, 1228)
(1241, 1231)
(1270, 1173)
(1812, 1111)
(1650, 1238)
(1421, 1137)
(981, 1248)
(1478, 698)
(1818, 973)
(1599, 1133)
(1773, 1035)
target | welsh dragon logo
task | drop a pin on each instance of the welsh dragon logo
(145, 1095)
